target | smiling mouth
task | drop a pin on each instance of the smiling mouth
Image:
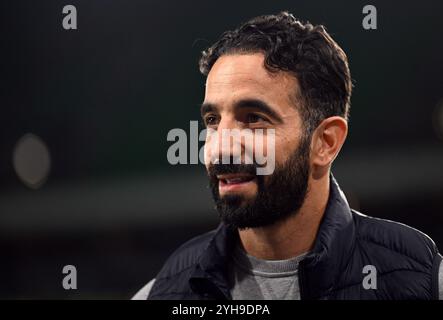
(233, 179)
(235, 183)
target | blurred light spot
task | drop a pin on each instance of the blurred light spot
(31, 160)
(437, 119)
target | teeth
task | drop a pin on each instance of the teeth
(235, 180)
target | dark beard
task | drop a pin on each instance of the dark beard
(279, 195)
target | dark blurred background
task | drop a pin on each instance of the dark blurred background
(84, 114)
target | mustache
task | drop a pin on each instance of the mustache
(218, 169)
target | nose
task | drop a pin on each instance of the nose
(225, 143)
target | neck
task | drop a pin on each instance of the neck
(294, 235)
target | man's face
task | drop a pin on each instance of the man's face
(242, 94)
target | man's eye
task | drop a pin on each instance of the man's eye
(210, 120)
(252, 118)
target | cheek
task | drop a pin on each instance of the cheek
(207, 154)
(285, 146)
(210, 149)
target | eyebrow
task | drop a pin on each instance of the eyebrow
(258, 104)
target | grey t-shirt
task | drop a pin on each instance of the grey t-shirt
(257, 279)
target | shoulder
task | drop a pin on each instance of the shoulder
(143, 293)
(405, 260)
(181, 260)
(186, 255)
(394, 239)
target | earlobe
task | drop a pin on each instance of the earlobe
(328, 139)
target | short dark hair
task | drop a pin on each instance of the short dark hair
(307, 51)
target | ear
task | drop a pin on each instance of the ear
(327, 140)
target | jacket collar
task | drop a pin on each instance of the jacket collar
(318, 271)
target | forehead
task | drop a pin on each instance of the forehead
(238, 76)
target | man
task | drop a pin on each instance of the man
(290, 234)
